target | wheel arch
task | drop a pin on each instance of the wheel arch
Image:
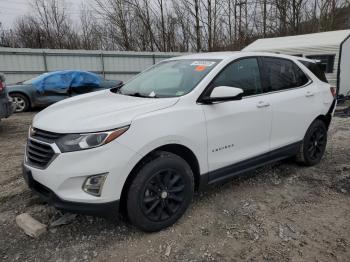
(182, 151)
(327, 118)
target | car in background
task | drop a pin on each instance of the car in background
(6, 105)
(52, 87)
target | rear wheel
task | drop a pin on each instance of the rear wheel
(21, 102)
(314, 144)
(160, 193)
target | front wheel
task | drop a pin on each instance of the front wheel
(314, 144)
(21, 102)
(160, 193)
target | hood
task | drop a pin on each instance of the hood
(98, 111)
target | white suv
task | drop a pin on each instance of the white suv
(185, 123)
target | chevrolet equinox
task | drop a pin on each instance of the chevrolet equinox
(187, 122)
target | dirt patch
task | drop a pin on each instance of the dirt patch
(281, 212)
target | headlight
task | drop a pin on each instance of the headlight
(75, 142)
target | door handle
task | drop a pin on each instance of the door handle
(262, 104)
(309, 94)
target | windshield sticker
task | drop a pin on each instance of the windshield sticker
(200, 68)
(203, 63)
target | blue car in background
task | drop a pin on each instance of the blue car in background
(52, 87)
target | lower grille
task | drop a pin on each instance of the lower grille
(41, 189)
(39, 154)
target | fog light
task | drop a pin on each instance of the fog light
(93, 184)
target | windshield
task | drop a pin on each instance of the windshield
(169, 78)
(30, 81)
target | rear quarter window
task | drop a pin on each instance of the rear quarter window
(316, 70)
(281, 74)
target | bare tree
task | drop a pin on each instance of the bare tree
(172, 25)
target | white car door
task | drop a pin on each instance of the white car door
(294, 100)
(238, 130)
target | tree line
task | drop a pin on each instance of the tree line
(171, 25)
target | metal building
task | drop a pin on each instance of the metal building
(332, 49)
(19, 64)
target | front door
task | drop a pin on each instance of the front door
(238, 130)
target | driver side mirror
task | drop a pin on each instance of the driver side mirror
(223, 93)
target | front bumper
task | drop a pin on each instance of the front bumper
(63, 178)
(109, 209)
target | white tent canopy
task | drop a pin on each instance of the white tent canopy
(299, 41)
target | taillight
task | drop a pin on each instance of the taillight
(334, 91)
(2, 86)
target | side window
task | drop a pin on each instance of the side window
(301, 78)
(326, 62)
(316, 70)
(242, 74)
(281, 74)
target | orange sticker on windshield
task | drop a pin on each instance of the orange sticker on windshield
(200, 68)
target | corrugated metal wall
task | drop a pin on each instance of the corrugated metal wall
(21, 64)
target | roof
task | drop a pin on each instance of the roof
(210, 55)
(231, 55)
(297, 41)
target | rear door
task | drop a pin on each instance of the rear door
(238, 130)
(294, 99)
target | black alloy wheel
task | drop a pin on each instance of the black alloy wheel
(163, 195)
(314, 144)
(160, 192)
(317, 143)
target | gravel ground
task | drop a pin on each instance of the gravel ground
(282, 212)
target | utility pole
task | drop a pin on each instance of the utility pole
(264, 19)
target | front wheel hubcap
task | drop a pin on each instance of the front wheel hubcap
(20, 103)
(163, 195)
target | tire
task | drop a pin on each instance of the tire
(314, 144)
(21, 102)
(160, 193)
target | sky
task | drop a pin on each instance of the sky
(11, 9)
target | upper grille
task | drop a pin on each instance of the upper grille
(39, 154)
(45, 136)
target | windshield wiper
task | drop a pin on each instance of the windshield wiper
(137, 94)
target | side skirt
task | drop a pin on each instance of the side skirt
(225, 173)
